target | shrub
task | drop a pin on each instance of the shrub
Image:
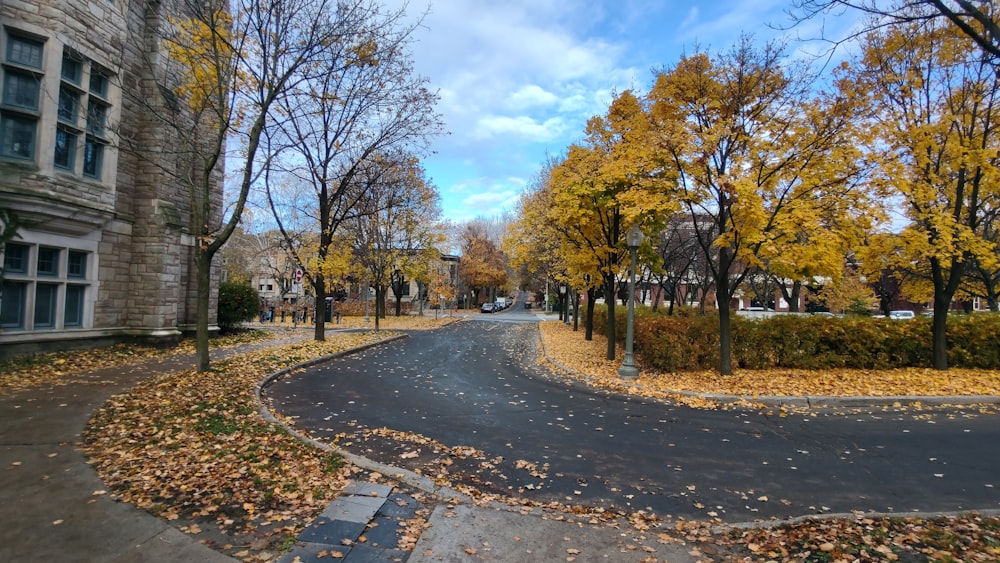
(684, 342)
(237, 303)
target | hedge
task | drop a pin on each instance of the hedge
(687, 341)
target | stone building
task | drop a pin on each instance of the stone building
(104, 252)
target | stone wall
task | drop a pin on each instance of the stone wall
(137, 217)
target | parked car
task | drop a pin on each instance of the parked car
(901, 315)
(487, 307)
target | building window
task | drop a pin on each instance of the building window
(69, 102)
(17, 136)
(24, 51)
(15, 258)
(76, 265)
(51, 295)
(82, 108)
(96, 114)
(12, 305)
(48, 262)
(20, 90)
(65, 153)
(98, 84)
(73, 312)
(45, 305)
(93, 156)
(72, 69)
(19, 102)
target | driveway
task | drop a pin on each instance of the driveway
(470, 403)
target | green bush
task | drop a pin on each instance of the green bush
(691, 342)
(238, 303)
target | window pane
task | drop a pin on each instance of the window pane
(12, 305)
(98, 84)
(15, 258)
(71, 70)
(68, 102)
(76, 265)
(65, 149)
(45, 305)
(17, 137)
(95, 118)
(24, 51)
(20, 90)
(48, 261)
(93, 154)
(73, 315)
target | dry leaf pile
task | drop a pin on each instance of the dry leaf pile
(193, 446)
(60, 368)
(947, 539)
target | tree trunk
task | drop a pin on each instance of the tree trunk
(609, 300)
(380, 292)
(319, 332)
(589, 321)
(576, 310)
(722, 296)
(203, 267)
(939, 328)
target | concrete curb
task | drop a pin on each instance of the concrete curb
(420, 482)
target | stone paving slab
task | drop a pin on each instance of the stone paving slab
(364, 509)
(351, 508)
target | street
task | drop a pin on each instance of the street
(501, 422)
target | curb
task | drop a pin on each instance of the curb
(415, 480)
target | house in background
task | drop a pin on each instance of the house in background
(104, 253)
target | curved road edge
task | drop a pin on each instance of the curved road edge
(427, 485)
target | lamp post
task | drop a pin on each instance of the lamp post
(367, 291)
(562, 301)
(628, 369)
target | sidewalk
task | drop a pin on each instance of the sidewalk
(55, 507)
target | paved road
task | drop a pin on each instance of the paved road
(477, 383)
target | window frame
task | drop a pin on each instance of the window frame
(48, 286)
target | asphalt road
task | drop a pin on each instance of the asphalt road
(538, 435)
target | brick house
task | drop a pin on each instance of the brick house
(104, 253)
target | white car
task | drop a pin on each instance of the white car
(901, 315)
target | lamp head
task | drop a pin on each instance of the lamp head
(634, 237)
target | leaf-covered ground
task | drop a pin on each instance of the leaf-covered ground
(968, 537)
(60, 368)
(570, 350)
(193, 449)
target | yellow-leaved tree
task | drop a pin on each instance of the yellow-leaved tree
(937, 104)
(603, 187)
(232, 62)
(764, 165)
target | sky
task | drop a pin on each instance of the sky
(518, 79)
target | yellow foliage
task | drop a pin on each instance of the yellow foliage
(203, 49)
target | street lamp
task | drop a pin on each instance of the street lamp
(628, 369)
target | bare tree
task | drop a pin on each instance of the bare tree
(977, 19)
(228, 65)
(395, 235)
(364, 101)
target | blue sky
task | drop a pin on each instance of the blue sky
(518, 79)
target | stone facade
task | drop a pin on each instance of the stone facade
(105, 251)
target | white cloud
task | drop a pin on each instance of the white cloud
(519, 79)
(519, 128)
(532, 96)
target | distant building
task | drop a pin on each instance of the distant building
(105, 253)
